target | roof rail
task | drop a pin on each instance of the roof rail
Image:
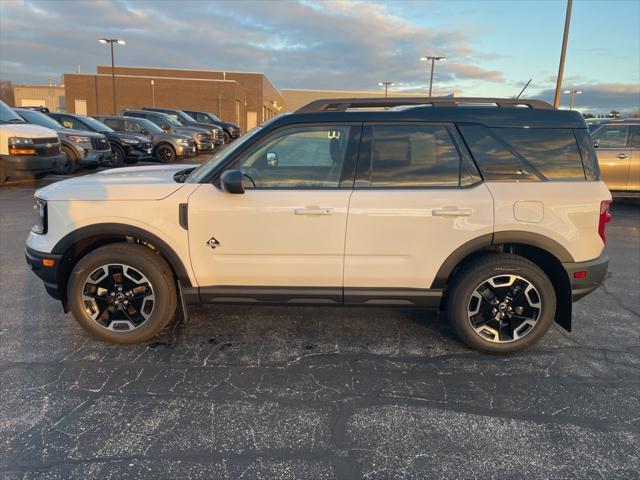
(343, 104)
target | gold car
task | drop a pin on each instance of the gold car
(618, 148)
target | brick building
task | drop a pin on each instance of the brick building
(245, 98)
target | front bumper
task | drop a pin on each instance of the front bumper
(595, 270)
(135, 152)
(25, 165)
(205, 146)
(49, 275)
(96, 157)
(186, 150)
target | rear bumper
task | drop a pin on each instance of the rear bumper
(49, 275)
(24, 165)
(596, 271)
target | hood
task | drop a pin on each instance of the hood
(28, 130)
(80, 133)
(129, 183)
(205, 126)
(119, 135)
(190, 131)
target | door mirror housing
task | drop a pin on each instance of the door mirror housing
(166, 127)
(272, 160)
(231, 181)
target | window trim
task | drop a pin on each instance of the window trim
(347, 174)
(363, 170)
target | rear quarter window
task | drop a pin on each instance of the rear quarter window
(525, 154)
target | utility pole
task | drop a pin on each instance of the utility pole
(433, 59)
(563, 54)
(111, 41)
(386, 86)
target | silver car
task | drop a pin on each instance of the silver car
(618, 147)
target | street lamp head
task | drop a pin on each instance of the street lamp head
(103, 40)
(430, 57)
(120, 42)
(111, 41)
(578, 92)
(567, 91)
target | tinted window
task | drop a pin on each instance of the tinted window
(133, 126)
(611, 136)
(302, 157)
(114, 123)
(550, 153)
(70, 122)
(495, 161)
(588, 153)
(413, 156)
(634, 137)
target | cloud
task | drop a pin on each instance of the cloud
(328, 45)
(599, 98)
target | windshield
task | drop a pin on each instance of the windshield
(185, 118)
(38, 118)
(7, 115)
(213, 117)
(96, 125)
(204, 169)
(171, 119)
(149, 125)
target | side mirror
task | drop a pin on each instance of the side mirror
(144, 131)
(272, 159)
(596, 144)
(166, 127)
(231, 181)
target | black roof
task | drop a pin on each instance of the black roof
(492, 112)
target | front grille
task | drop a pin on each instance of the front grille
(46, 146)
(146, 145)
(100, 143)
(204, 137)
(217, 134)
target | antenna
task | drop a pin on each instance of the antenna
(524, 88)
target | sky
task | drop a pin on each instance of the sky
(492, 47)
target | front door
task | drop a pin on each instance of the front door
(288, 228)
(614, 154)
(415, 201)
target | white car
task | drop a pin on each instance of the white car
(494, 214)
(25, 149)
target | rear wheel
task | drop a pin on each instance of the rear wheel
(122, 293)
(71, 164)
(165, 153)
(501, 303)
(227, 137)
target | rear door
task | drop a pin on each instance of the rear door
(416, 199)
(614, 154)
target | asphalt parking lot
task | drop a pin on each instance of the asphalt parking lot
(315, 393)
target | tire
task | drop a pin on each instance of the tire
(119, 274)
(227, 137)
(117, 157)
(71, 165)
(165, 153)
(472, 308)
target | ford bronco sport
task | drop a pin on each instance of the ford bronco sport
(491, 210)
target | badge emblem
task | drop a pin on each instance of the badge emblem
(213, 243)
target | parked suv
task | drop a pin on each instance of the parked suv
(216, 131)
(618, 147)
(492, 213)
(231, 130)
(167, 146)
(125, 148)
(82, 148)
(25, 149)
(201, 137)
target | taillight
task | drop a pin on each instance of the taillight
(605, 217)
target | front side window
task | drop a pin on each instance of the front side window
(132, 126)
(611, 136)
(113, 123)
(70, 122)
(413, 156)
(298, 157)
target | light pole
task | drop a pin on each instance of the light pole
(572, 94)
(386, 86)
(563, 54)
(433, 59)
(111, 41)
(153, 93)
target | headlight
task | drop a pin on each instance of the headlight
(21, 146)
(131, 141)
(77, 139)
(40, 209)
(202, 136)
(183, 141)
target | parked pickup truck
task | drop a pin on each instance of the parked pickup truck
(25, 149)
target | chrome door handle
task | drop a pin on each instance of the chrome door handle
(313, 211)
(622, 155)
(451, 212)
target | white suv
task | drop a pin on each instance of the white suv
(492, 210)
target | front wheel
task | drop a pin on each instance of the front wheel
(501, 303)
(165, 153)
(71, 163)
(122, 293)
(117, 156)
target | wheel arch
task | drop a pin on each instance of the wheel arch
(543, 251)
(75, 245)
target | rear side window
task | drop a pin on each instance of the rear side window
(611, 136)
(588, 153)
(525, 154)
(413, 156)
